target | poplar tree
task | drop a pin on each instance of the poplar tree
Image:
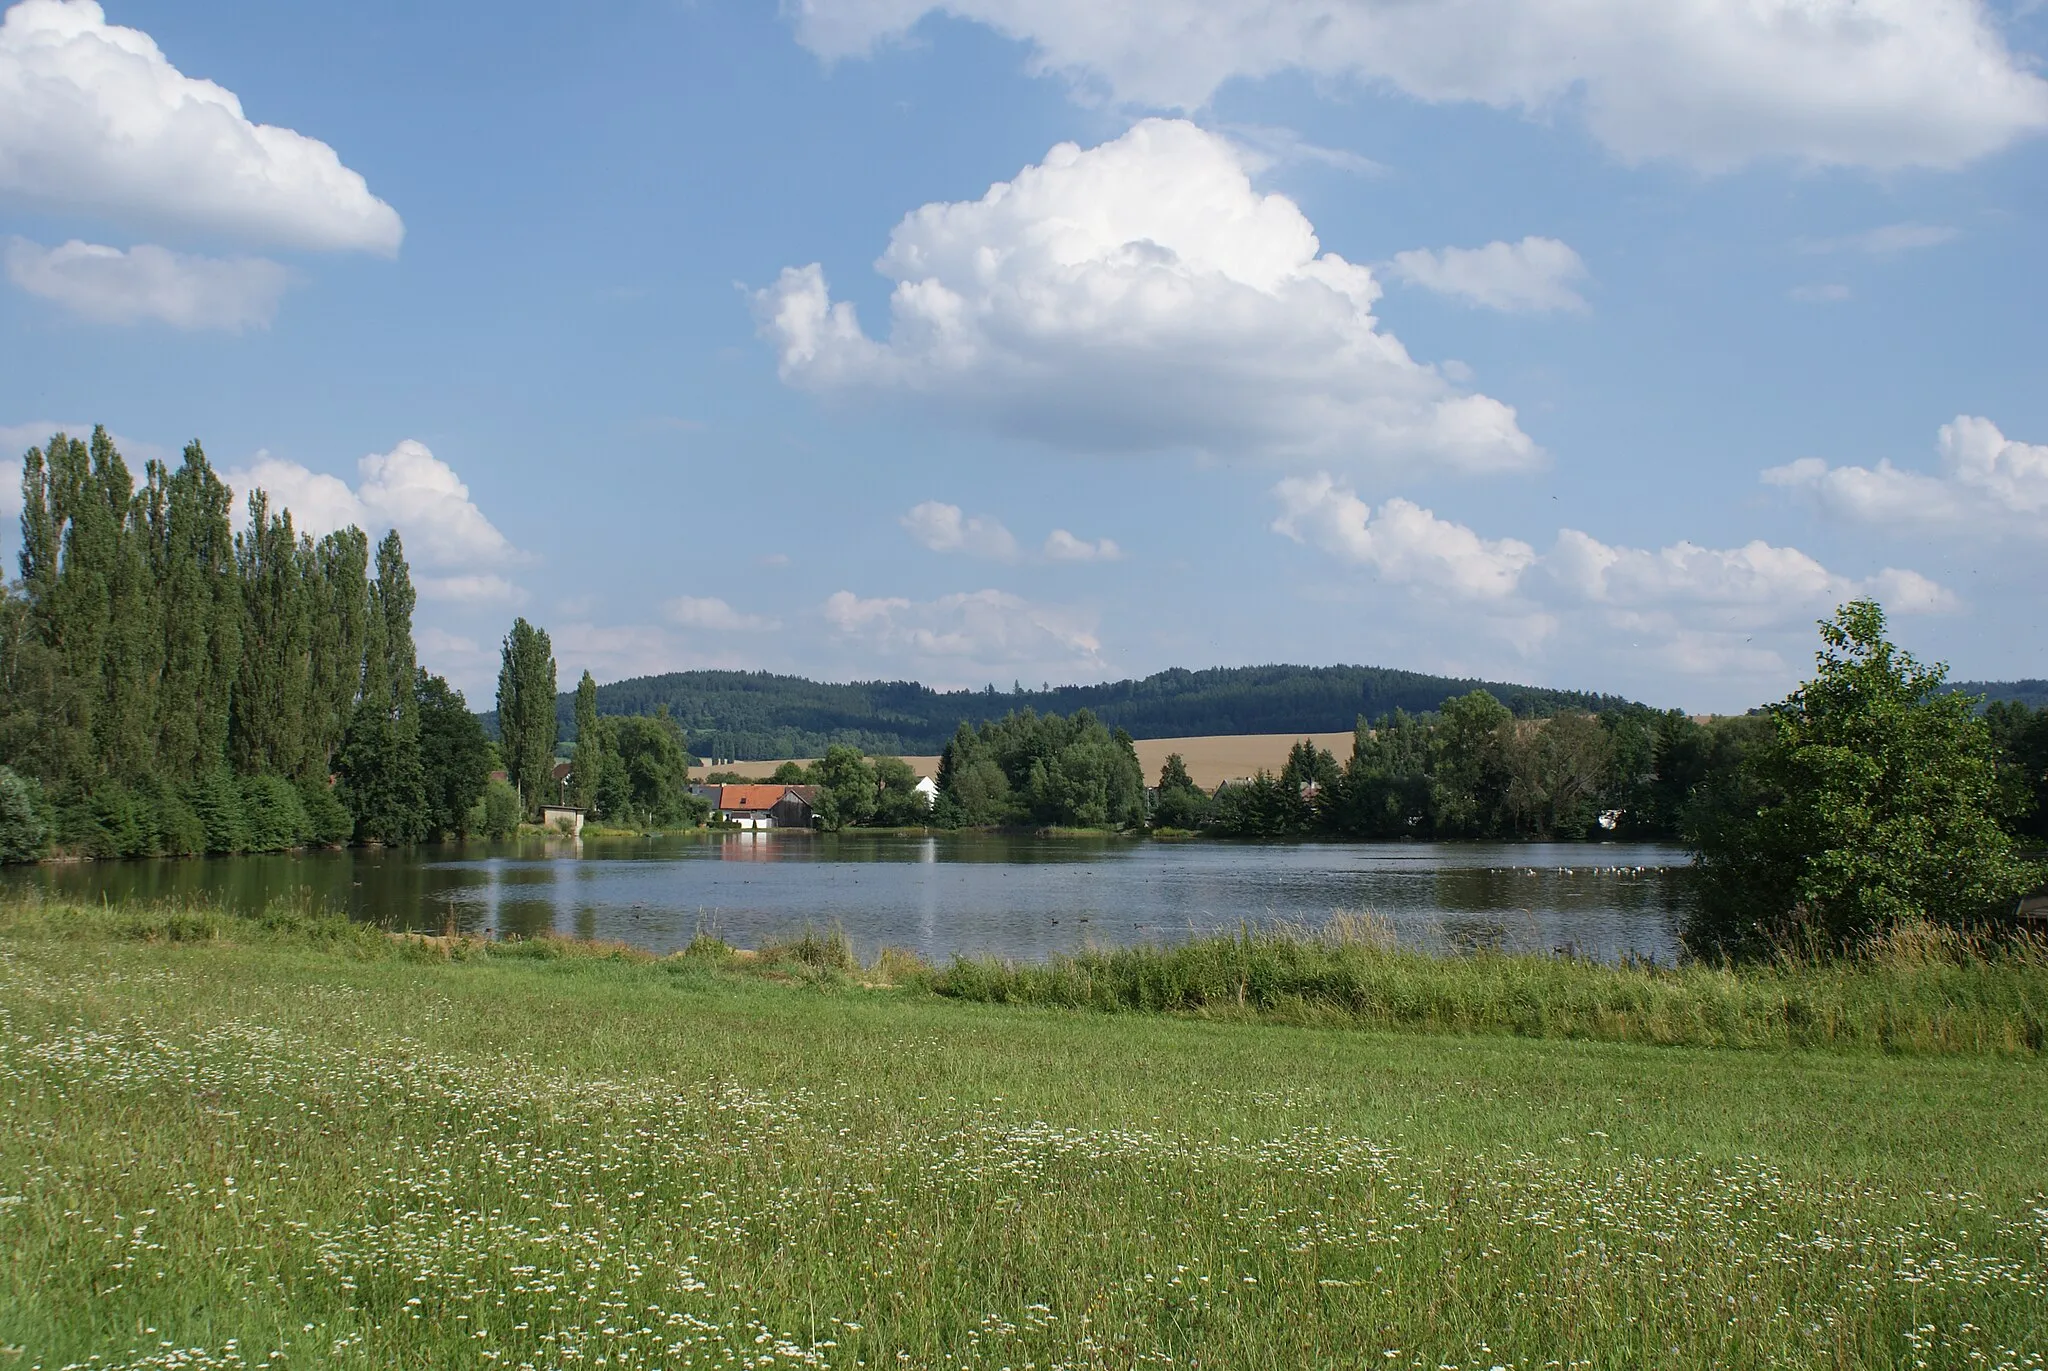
(393, 599)
(589, 760)
(274, 687)
(151, 652)
(341, 584)
(383, 777)
(134, 656)
(73, 554)
(526, 711)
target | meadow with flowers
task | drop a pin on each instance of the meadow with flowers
(305, 1144)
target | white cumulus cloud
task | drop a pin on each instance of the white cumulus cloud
(1139, 296)
(1987, 483)
(409, 489)
(1062, 546)
(970, 632)
(150, 283)
(946, 528)
(1533, 275)
(1693, 605)
(1404, 543)
(1715, 83)
(94, 118)
(412, 490)
(714, 615)
(319, 503)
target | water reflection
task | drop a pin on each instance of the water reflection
(1015, 897)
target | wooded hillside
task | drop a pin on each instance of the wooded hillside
(757, 714)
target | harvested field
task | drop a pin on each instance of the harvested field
(1211, 760)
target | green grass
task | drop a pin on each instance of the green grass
(288, 1142)
(1923, 992)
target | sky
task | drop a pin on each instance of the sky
(1598, 345)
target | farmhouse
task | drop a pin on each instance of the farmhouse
(762, 806)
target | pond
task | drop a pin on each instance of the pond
(1024, 898)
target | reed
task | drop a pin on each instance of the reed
(1923, 990)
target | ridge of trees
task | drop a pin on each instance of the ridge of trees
(742, 714)
(169, 685)
(2029, 692)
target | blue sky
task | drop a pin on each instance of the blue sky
(1602, 345)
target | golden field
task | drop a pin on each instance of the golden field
(1211, 761)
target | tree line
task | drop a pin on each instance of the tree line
(759, 714)
(172, 685)
(1869, 797)
(1471, 769)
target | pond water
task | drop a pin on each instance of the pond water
(1017, 897)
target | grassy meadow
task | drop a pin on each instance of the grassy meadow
(292, 1142)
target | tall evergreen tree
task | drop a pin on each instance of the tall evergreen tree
(273, 692)
(383, 775)
(526, 711)
(134, 658)
(70, 541)
(341, 636)
(589, 760)
(393, 600)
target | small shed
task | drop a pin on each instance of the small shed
(2033, 907)
(562, 819)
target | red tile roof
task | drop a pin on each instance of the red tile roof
(750, 798)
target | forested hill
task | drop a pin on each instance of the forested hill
(2032, 694)
(756, 715)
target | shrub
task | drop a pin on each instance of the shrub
(22, 830)
(179, 832)
(497, 813)
(113, 822)
(273, 817)
(217, 802)
(328, 822)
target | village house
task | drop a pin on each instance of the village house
(762, 806)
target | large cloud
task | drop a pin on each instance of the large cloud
(1874, 83)
(94, 118)
(1699, 607)
(1988, 483)
(1137, 296)
(407, 488)
(110, 286)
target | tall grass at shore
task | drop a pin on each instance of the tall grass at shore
(1923, 990)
